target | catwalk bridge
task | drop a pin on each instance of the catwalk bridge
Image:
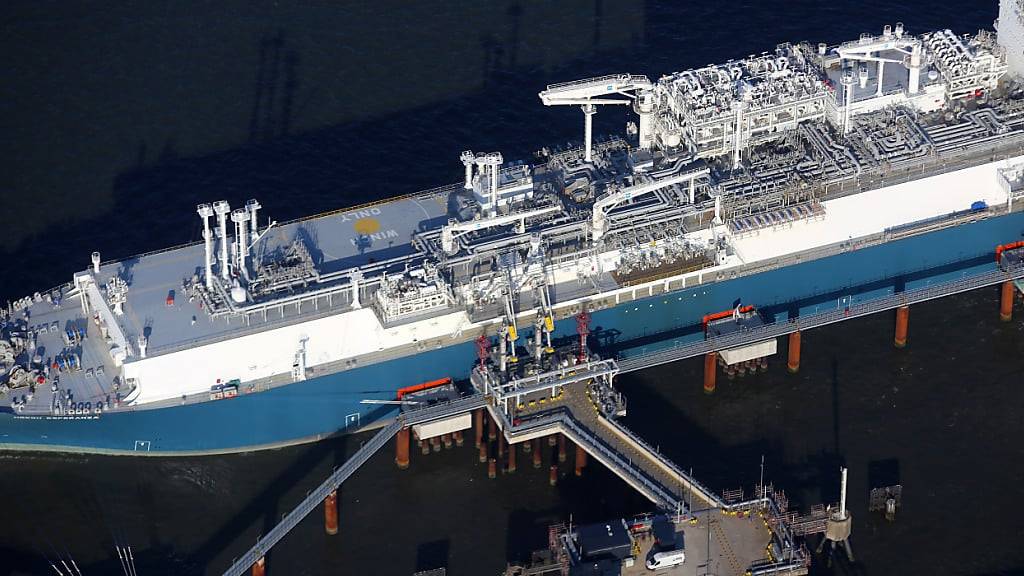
(609, 442)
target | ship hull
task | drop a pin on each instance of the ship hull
(333, 404)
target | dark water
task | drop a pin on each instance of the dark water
(117, 120)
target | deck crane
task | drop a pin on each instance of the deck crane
(866, 50)
(590, 92)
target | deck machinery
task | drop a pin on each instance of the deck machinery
(725, 168)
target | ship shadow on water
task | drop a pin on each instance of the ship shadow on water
(296, 162)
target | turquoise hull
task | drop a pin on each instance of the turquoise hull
(330, 405)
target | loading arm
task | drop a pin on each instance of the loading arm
(610, 200)
(451, 231)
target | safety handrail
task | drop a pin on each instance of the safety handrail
(656, 454)
(265, 543)
(342, 473)
(563, 419)
(776, 329)
(599, 80)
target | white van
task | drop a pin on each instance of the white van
(666, 559)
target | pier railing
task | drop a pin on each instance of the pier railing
(692, 484)
(776, 329)
(562, 420)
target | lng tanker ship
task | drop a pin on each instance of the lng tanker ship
(797, 180)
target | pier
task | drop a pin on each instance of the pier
(559, 404)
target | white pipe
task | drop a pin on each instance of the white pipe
(208, 240)
(253, 206)
(588, 128)
(357, 276)
(495, 166)
(205, 211)
(914, 81)
(243, 244)
(222, 208)
(842, 495)
(737, 135)
(881, 70)
(848, 103)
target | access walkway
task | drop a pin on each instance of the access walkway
(628, 456)
(340, 475)
(775, 329)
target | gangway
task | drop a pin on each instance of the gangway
(607, 440)
(339, 476)
(649, 472)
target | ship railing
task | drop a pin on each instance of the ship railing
(245, 327)
(635, 78)
(411, 196)
(416, 414)
(775, 329)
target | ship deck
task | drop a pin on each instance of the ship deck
(157, 307)
(94, 380)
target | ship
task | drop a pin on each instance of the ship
(807, 178)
